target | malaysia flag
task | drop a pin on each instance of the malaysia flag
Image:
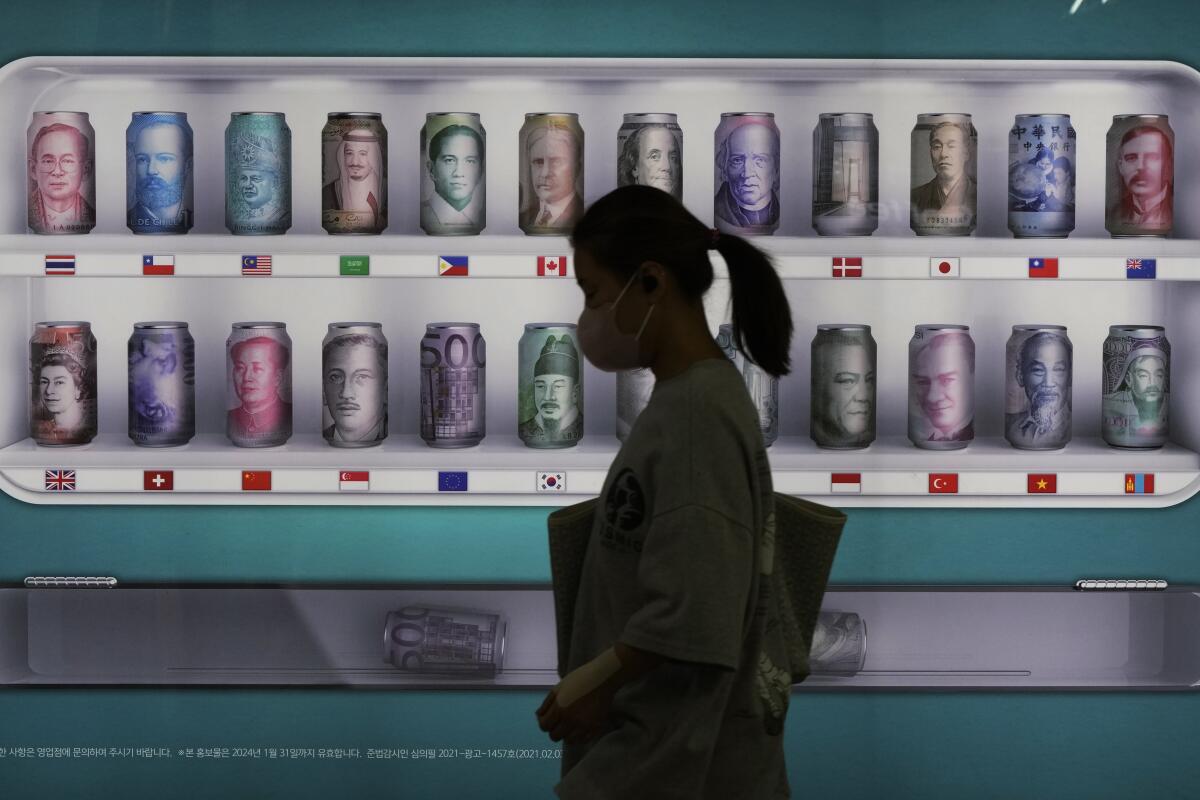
(1043, 267)
(256, 265)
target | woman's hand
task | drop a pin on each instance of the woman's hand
(580, 721)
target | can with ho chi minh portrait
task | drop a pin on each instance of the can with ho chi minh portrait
(354, 173)
(1041, 176)
(762, 386)
(746, 174)
(354, 380)
(1037, 387)
(943, 193)
(439, 640)
(453, 384)
(650, 153)
(158, 173)
(551, 174)
(162, 384)
(842, 393)
(845, 200)
(62, 366)
(258, 173)
(941, 387)
(549, 386)
(454, 174)
(1134, 404)
(1140, 182)
(258, 398)
(61, 150)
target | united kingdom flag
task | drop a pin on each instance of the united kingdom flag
(60, 480)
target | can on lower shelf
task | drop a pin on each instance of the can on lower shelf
(1137, 387)
(453, 385)
(162, 384)
(258, 358)
(62, 364)
(354, 382)
(549, 386)
(435, 640)
(941, 387)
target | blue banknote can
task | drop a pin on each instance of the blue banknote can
(162, 384)
(158, 173)
(258, 173)
(1041, 176)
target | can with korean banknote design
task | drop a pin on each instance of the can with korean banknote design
(62, 364)
(747, 174)
(453, 174)
(633, 395)
(549, 386)
(158, 173)
(839, 644)
(453, 384)
(845, 200)
(650, 153)
(258, 173)
(354, 155)
(1037, 372)
(435, 640)
(1140, 186)
(258, 400)
(551, 174)
(943, 197)
(1041, 176)
(61, 180)
(762, 386)
(1137, 386)
(941, 387)
(842, 393)
(354, 380)
(162, 384)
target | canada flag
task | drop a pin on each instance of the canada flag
(552, 266)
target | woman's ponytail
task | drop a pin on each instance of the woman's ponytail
(762, 318)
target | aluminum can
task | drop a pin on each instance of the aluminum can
(453, 384)
(354, 383)
(1137, 386)
(354, 172)
(1041, 176)
(162, 384)
(746, 174)
(433, 640)
(549, 386)
(1037, 387)
(258, 173)
(944, 194)
(633, 394)
(61, 149)
(258, 400)
(551, 174)
(62, 366)
(839, 644)
(762, 386)
(1140, 183)
(941, 387)
(650, 153)
(845, 175)
(454, 174)
(843, 387)
(158, 173)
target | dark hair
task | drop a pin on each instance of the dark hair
(635, 224)
(439, 140)
(278, 354)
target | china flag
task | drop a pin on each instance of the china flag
(1042, 483)
(256, 481)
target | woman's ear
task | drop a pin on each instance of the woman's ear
(654, 279)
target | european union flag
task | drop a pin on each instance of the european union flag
(452, 481)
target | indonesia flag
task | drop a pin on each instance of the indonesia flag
(845, 483)
(552, 266)
(354, 481)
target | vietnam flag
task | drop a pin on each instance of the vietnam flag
(256, 480)
(1042, 483)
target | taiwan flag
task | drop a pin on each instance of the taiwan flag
(1043, 267)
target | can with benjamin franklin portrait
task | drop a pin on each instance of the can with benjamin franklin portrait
(650, 153)
(453, 384)
(258, 173)
(258, 398)
(62, 365)
(1037, 397)
(747, 174)
(354, 382)
(633, 395)
(354, 154)
(1134, 410)
(158, 173)
(842, 393)
(943, 196)
(941, 387)
(1041, 176)
(162, 384)
(763, 387)
(61, 182)
(1140, 182)
(549, 386)
(453, 174)
(550, 189)
(439, 640)
(845, 199)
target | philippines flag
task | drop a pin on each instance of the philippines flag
(552, 481)
(554, 266)
(847, 267)
(1139, 483)
(256, 265)
(158, 265)
(452, 266)
(1043, 267)
(60, 265)
(354, 481)
(845, 483)
(60, 480)
(1140, 268)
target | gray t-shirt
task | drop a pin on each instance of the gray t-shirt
(679, 563)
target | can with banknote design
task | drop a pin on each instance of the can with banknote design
(158, 173)
(258, 357)
(633, 395)
(839, 644)
(61, 151)
(747, 174)
(763, 387)
(258, 173)
(845, 175)
(943, 195)
(62, 363)
(162, 384)
(1037, 379)
(454, 174)
(433, 640)
(1140, 184)
(843, 387)
(354, 155)
(354, 380)
(453, 384)
(551, 174)
(549, 386)
(1134, 404)
(650, 153)
(941, 387)
(1041, 176)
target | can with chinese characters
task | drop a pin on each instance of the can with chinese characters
(1140, 182)
(1037, 387)
(61, 182)
(633, 394)
(258, 398)
(842, 393)
(453, 384)
(763, 387)
(258, 173)
(158, 173)
(1041, 176)
(650, 153)
(162, 384)
(839, 644)
(943, 192)
(549, 386)
(1137, 386)
(453, 174)
(551, 174)
(354, 170)
(433, 640)
(845, 175)
(62, 366)
(941, 387)
(354, 381)
(746, 174)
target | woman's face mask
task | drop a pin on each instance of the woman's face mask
(602, 341)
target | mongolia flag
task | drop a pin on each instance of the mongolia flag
(1043, 267)
(1139, 483)
(452, 266)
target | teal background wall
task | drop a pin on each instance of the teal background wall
(846, 746)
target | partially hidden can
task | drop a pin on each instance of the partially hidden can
(843, 387)
(839, 644)
(633, 395)
(943, 198)
(258, 173)
(1140, 181)
(61, 151)
(433, 640)
(258, 357)
(159, 181)
(762, 386)
(62, 365)
(162, 384)
(845, 175)
(453, 384)
(453, 174)
(1041, 176)
(747, 174)
(650, 153)
(1037, 387)
(941, 387)
(1137, 386)
(354, 381)
(354, 170)
(551, 174)
(549, 386)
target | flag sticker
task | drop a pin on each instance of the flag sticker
(158, 480)
(943, 267)
(1043, 267)
(943, 483)
(60, 265)
(552, 266)
(452, 266)
(452, 481)
(847, 267)
(158, 265)
(845, 483)
(349, 481)
(256, 265)
(552, 481)
(354, 265)
(1042, 483)
(60, 480)
(1143, 268)
(1139, 483)
(256, 481)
